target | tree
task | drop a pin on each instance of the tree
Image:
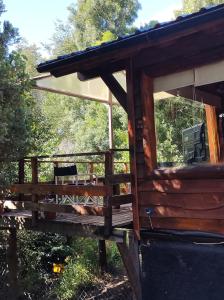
(190, 6)
(90, 19)
(32, 56)
(16, 103)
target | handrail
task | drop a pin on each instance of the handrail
(77, 162)
(111, 184)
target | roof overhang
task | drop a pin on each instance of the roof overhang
(187, 42)
(187, 83)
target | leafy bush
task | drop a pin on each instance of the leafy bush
(75, 277)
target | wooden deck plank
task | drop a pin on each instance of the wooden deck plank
(120, 217)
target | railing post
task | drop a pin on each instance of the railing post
(91, 171)
(34, 167)
(21, 175)
(107, 199)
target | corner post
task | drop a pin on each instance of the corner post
(129, 251)
(107, 199)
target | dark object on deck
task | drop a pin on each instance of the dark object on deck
(194, 144)
(65, 171)
(182, 270)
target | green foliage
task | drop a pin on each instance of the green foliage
(74, 278)
(172, 116)
(34, 250)
(189, 6)
(32, 56)
(90, 21)
(82, 268)
(15, 102)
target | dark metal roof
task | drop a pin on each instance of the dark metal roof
(160, 30)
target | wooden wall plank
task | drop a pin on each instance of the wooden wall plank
(206, 225)
(184, 186)
(182, 200)
(179, 212)
(212, 171)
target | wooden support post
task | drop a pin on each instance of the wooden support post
(91, 170)
(116, 191)
(149, 132)
(135, 139)
(110, 121)
(13, 265)
(130, 257)
(107, 199)
(34, 166)
(21, 176)
(213, 134)
(102, 256)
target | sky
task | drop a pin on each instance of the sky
(36, 18)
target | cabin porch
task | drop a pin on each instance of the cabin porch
(97, 198)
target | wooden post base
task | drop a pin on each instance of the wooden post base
(130, 257)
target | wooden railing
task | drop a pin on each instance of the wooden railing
(109, 189)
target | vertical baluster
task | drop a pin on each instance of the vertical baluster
(107, 199)
(34, 167)
(21, 176)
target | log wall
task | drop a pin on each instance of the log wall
(191, 200)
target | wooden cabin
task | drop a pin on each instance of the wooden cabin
(184, 57)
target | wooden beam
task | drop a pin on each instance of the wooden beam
(149, 131)
(62, 227)
(130, 257)
(116, 89)
(198, 95)
(213, 135)
(60, 189)
(132, 97)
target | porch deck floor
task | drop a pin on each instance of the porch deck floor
(120, 217)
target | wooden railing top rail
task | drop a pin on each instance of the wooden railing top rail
(60, 189)
(66, 155)
(77, 162)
